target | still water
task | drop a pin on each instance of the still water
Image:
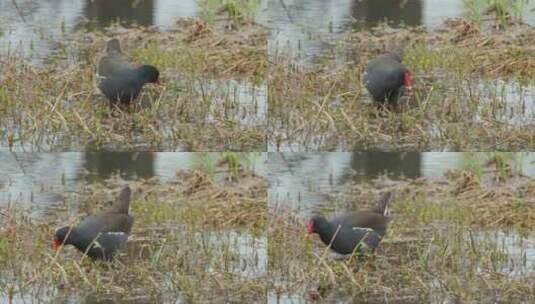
(43, 178)
(35, 26)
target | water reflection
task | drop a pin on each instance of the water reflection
(394, 164)
(372, 12)
(129, 165)
(105, 12)
(296, 24)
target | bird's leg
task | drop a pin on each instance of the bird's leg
(337, 257)
(395, 107)
(382, 106)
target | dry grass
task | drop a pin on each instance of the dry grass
(457, 103)
(213, 96)
(186, 244)
(453, 240)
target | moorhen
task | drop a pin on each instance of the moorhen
(100, 236)
(386, 78)
(359, 230)
(118, 79)
(126, 85)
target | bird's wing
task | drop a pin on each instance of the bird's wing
(367, 236)
(103, 223)
(393, 76)
(110, 240)
(120, 87)
(113, 65)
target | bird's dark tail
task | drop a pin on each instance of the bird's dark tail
(122, 205)
(382, 204)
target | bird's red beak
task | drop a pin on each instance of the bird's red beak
(56, 244)
(407, 80)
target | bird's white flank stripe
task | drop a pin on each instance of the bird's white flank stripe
(362, 228)
(115, 233)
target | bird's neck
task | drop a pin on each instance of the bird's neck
(328, 233)
(78, 240)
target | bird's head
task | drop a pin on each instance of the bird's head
(149, 74)
(62, 237)
(315, 223)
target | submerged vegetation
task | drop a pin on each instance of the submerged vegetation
(196, 238)
(237, 11)
(502, 12)
(473, 91)
(465, 238)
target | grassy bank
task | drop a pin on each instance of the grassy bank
(474, 91)
(197, 238)
(467, 238)
(213, 95)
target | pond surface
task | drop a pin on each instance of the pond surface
(36, 25)
(504, 100)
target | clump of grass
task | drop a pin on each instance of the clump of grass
(194, 238)
(238, 12)
(201, 48)
(239, 203)
(442, 245)
(505, 12)
(485, 202)
(232, 164)
(465, 48)
(457, 103)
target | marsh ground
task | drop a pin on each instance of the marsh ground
(474, 82)
(199, 233)
(212, 97)
(269, 75)
(461, 231)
